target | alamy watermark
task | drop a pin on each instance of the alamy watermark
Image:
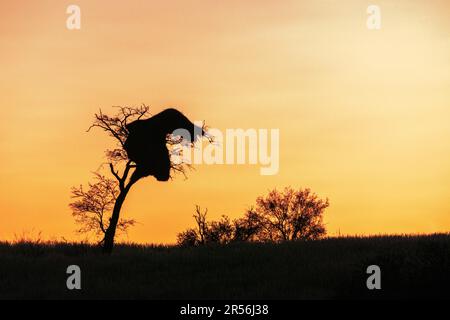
(234, 146)
(73, 21)
(374, 19)
(73, 281)
(374, 280)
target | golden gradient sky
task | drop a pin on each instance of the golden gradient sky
(363, 115)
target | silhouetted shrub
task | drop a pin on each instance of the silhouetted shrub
(219, 232)
(188, 238)
(214, 232)
(248, 227)
(290, 215)
(280, 216)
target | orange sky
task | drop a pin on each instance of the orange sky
(363, 115)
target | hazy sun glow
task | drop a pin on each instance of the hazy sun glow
(363, 114)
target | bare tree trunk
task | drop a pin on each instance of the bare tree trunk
(110, 233)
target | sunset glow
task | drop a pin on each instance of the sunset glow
(363, 115)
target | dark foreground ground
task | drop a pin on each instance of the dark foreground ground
(411, 267)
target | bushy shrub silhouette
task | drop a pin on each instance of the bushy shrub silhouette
(279, 216)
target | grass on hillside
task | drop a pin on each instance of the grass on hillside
(411, 267)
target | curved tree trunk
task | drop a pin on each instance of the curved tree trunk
(110, 233)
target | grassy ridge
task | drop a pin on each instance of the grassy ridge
(411, 267)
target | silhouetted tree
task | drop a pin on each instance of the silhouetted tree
(143, 148)
(290, 215)
(202, 225)
(92, 208)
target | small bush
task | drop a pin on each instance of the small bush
(280, 216)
